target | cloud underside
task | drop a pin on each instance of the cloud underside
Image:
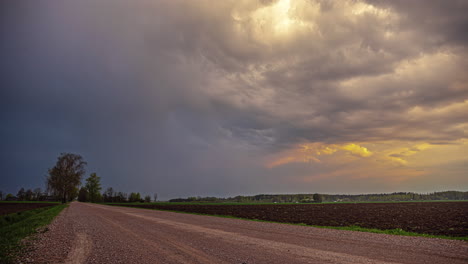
(304, 89)
(325, 76)
(293, 71)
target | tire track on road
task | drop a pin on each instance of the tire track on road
(81, 249)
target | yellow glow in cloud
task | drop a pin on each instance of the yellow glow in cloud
(400, 155)
(326, 151)
(306, 153)
(360, 8)
(386, 154)
(280, 13)
(395, 162)
(275, 16)
(392, 162)
(281, 161)
(274, 22)
(357, 150)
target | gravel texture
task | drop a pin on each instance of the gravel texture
(89, 233)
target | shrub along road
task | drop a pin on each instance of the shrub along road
(90, 233)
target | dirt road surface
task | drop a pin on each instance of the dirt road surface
(90, 233)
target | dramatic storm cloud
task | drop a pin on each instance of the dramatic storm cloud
(235, 97)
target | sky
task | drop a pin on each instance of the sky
(237, 97)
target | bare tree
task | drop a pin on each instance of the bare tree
(109, 195)
(121, 197)
(37, 194)
(21, 195)
(155, 197)
(28, 195)
(66, 175)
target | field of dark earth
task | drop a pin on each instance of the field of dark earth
(12, 207)
(434, 218)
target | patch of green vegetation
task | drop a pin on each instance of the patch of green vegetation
(398, 231)
(14, 227)
(9, 219)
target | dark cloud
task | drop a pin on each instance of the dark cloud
(183, 97)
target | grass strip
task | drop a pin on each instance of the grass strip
(14, 227)
(397, 231)
(12, 218)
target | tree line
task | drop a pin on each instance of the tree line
(63, 184)
(311, 198)
(260, 198)
(35, 194)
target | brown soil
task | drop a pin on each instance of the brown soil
(435, 218)
(9, 208)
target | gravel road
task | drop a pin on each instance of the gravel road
(90, 233)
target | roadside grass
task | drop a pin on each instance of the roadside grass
(14, 227)
(397, 231)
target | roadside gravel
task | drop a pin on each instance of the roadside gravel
(53, 243)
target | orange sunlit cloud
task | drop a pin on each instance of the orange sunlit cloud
(393, 161)
(310, 153)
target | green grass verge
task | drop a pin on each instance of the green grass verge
(14, 227)
(398, 231)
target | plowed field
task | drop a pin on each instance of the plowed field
(435, 218)
(9, 208)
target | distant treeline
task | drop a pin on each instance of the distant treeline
(83, 195)
(27, 195)
(309, 198)
(110, 196)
